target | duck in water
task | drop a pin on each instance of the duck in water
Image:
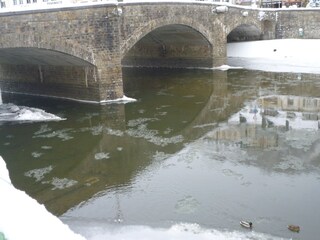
(246, 224)
(294, 228)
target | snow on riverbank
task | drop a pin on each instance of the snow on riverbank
(24, 218)
(280, 55)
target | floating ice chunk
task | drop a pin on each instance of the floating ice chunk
(113, 132)
(226, 67)
(36, 154)
(124, 99)
(101, 155)
(61, 183)
(39, 173)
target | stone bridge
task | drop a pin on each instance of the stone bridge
(78, 52)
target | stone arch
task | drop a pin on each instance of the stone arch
(150, 26)
(245, 32)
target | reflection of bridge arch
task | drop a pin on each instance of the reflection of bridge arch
(220, 104)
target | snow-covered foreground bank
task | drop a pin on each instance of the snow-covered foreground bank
(24, 218)
(280, 55)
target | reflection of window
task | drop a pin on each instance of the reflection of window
(21, 1)
(290, 102)
(3, 4)
(310, 103)
(315, 102)
(34, 1)
(15, 2)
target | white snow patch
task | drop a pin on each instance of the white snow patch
(22, 217)
(280, 55)
(226, 67)
(124, 99)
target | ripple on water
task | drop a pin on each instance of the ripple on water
(187, 205)
(291, 163)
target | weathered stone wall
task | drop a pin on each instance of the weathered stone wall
(290, 21)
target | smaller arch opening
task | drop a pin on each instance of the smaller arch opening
(244, 32)
(173, 46)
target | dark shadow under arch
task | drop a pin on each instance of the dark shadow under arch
(245, 32)
(39, 56)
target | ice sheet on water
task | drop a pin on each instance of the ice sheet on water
(226, 67)
(279, 55)
(122, 100)
(13, 113)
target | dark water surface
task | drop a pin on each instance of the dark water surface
(172, 157)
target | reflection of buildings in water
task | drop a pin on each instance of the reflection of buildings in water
(290, 103)
(246, 135)
(291, 112)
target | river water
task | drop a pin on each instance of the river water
(178, 157)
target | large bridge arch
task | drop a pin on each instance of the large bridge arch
(152, 25)
(170, 45)
(140, 20)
